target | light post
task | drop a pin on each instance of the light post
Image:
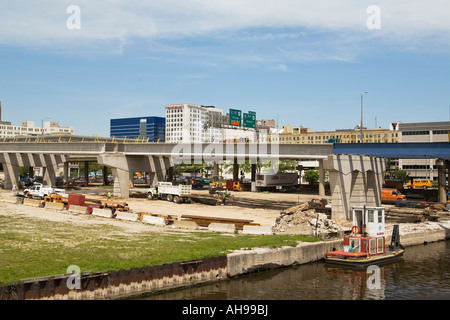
(361, 127)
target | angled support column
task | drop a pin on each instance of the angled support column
(354, 181)
(11, 170)
(120, 170)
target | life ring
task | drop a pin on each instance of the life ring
(353, 228)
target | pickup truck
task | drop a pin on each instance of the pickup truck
(42, 191)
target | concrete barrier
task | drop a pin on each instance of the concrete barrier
(158, 221)
(77, 209)
(129, 216)
(222, 227)
(32, 202)
(105, 213)
(249, 229)
(183, 224)
(11, 199)
(54, 205)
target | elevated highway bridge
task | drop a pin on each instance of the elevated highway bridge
(355, 170)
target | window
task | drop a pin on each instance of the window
(372, 246)
(370, 216)
(380, 245)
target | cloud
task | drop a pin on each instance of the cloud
(117, 23)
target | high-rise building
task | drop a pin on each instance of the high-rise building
(151, 129)
(191, 123)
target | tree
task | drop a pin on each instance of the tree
(401, 174)
(312, 176)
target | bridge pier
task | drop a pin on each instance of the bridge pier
(354, 181)
(123, 166)
(13, 161)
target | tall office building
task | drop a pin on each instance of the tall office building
(151, 128)
(191, 123)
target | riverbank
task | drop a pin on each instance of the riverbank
(77, 234)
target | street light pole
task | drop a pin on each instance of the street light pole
(361, 126)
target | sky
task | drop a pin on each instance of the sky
(302, 63)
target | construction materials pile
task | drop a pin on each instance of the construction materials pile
(307, 221)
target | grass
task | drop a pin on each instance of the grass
(32, 247)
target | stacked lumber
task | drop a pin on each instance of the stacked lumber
(206, 221)
(410, 215)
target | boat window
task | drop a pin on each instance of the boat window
(372, 246)
(380, 216)
(379, 245)
(370, 216)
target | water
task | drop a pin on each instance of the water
(422, 273)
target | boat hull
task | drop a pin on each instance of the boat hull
(364, 261)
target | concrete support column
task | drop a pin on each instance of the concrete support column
(441, 181)
(253, 175)
(105, 175)
(86, 172)
(121, 180)
(11, 170)
(66, 171)
(321, 179)
(235, 170)
(215, 169)
(354, 181)
(170, 174)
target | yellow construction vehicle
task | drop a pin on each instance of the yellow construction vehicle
(53, 197)
(218, 183)
(238, 185)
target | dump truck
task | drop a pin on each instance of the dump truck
(168, 191)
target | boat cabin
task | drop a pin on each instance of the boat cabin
(368, 229)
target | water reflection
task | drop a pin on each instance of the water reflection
(423, 273)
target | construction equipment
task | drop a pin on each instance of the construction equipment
(238, 185)
(218, 183)
(53, 197)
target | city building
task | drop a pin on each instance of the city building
(301, 135)
(150, 129)
(29, 129)
(191, 123)
(422, 132)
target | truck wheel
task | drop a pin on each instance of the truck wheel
(177, 199)
(149, 196)
(169, 197)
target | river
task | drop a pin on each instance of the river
(422, 273)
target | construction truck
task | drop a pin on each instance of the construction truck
(218, 183)
(168, 191)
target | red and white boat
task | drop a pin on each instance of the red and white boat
(367, 243)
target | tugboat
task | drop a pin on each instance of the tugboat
(367, 243)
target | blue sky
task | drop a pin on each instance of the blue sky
(301, 62)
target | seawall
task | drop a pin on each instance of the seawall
(137, 281)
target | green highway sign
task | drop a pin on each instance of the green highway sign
(235, 117)
(249, 120)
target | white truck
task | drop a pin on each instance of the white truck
(169, 192)
(42, 191)
(276, 181)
